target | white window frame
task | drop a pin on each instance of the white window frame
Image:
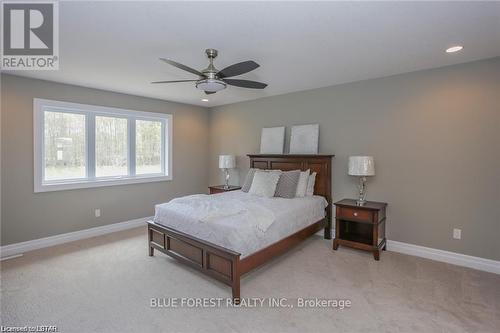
(91, 111)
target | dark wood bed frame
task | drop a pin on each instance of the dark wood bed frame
(225, 265)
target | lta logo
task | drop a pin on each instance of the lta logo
(30, 36)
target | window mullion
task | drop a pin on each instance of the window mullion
(91, 146)
(41, 132)
(163, 150)
(131, 147)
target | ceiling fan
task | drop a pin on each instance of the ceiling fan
(212, 80)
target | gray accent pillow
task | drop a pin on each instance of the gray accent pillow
(248, 180)
(287, 184)
(264, 183)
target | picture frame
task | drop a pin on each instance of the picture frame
(304, 139)
(272, 140)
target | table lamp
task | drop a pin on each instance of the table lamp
(361, 166)
(227, 162)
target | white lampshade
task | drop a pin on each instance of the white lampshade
(361, 166)
(227, 162)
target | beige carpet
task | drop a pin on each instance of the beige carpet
(105, 284)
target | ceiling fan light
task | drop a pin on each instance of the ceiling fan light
(211, 85)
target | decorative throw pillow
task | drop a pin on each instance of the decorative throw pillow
(310, 185)
(287, 184)
(248, 180)
(264, 183)
(302, 185)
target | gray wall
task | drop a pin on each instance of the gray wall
(434, 134)
(27, 215)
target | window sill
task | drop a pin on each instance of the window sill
(62, 186)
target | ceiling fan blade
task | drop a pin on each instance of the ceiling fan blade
(238, 69)
(174, 81)
(245, 83)
(210, 92)
(183, 67)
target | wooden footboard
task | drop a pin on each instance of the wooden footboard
(213, 260)
(220, 263)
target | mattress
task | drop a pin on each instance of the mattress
(239, 232)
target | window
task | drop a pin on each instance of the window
(148, 146)
(79, 146)
(111, 146)
(64, 145)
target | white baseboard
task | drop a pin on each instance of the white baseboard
(19, 248)
(488, 265)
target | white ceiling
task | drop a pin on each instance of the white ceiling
(299, 45)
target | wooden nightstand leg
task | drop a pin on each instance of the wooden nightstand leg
(327, 233)
(335, 245)
(151, 250)
(376, 254)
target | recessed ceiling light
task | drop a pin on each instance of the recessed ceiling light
(454, 49)
(204, 100)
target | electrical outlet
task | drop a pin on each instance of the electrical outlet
(457, 233)
(98, 212)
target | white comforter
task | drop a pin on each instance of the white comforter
(209, 208)
(240, 221)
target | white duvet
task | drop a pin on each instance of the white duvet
(240, 221)
(209, 208)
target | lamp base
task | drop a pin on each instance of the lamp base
(362, 191)
(226, 185)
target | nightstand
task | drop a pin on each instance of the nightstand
(360, 227)
(220, 188)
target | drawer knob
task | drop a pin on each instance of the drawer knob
(355, 214)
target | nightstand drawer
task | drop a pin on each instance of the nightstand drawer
(356, 214)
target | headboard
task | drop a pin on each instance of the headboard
(321, 164)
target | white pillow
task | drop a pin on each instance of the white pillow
(264, 183)
(310, 185)
(302, 185)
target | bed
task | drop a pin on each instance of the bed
(228, 247)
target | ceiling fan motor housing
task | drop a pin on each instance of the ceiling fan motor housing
(211, 72)
(211, 83)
